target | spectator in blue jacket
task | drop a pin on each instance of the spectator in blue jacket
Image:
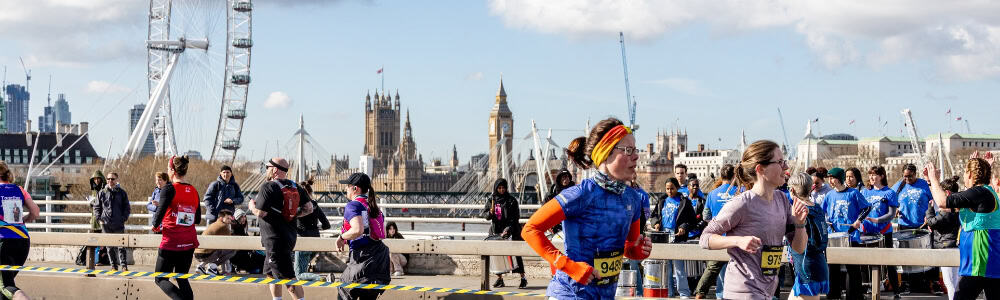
(154, 200)
(223, 193)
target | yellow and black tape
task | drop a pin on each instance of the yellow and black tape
(261, 280)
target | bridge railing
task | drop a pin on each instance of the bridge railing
(51, 219)
(835, 255)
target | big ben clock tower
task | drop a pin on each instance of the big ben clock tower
(501, 126)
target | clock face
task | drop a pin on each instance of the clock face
(506, 128)
(493, 128)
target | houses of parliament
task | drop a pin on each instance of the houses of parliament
(390, 152)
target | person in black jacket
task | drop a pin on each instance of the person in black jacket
(563, 181)
(945, 224)
(684, 218)
(113, 210)
(223, 193)
(309, 226)
(503, 212)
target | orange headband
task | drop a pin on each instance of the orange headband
(607, 143)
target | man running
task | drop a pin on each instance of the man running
(278, 204)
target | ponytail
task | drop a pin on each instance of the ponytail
(580, 148)
(757, 153)
(575, 152)
(742, 179)
(373, 211)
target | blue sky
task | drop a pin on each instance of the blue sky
(713, 69)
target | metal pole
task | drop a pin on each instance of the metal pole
(48, 209)
(876, 283)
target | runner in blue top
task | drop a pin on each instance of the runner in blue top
(914, 194)
(844, 208)
(812, 277)
(600, 216)
(14, 240)
(980, 217)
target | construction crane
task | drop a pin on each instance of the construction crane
(27, 74)
(629, 101)
(789, 152)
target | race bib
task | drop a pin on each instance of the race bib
(12, 211)
(608, 265)
(770, 259)
(185, 216)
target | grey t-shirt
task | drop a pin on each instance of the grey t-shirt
(817, 196)
(749, 214)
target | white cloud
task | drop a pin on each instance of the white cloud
(101, 87)
(474, 76)
(684, 85)
(277, 100)
(961, 39)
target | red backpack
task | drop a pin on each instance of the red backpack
(290, 203)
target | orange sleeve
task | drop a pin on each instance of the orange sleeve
(633, 246)
(533, 233)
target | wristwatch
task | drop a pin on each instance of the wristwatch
(803, 225)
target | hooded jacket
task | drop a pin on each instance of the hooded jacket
(219, 191)
(94, 189)
(113, 207)
(510, 212)
(557, 187)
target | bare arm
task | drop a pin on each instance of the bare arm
(33, 210)
(940, 197)
(355, 231)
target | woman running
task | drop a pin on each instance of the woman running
(980, 218)
(811, 274)
(176, 217)
(945, 224)
(601, 217)
(363, 232)
(751, 226)
(14, 240)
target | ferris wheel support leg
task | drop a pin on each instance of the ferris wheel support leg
(138, 136)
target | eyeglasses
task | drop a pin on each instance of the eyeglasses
(781, 162)
(112, 179)
(628, 150)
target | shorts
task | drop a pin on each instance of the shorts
(814, 288)
(279, 265)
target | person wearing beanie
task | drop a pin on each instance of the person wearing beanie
(223, 194)
(845, 208)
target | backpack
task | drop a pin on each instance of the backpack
(290, 203)
(376, 226)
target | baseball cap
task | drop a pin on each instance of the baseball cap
(359, 180)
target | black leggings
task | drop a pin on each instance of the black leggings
(969, 288)
(174, 262)
(13, 252)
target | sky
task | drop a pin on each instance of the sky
(714, 69)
